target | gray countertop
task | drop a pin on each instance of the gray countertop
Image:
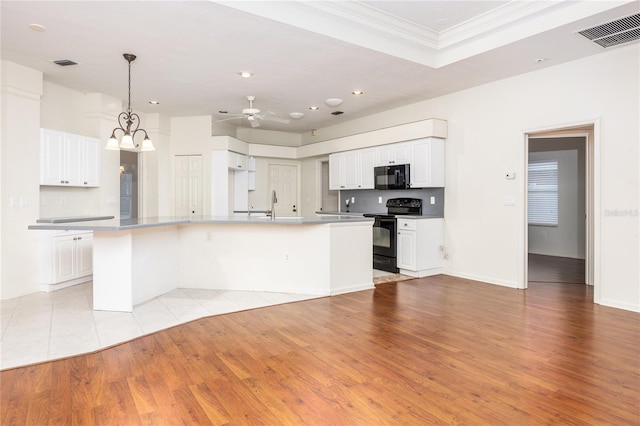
(72, 219)
(403, 216)
(150, 222)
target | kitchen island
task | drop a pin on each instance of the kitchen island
(135, 260)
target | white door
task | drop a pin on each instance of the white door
(284, 180)
(188, 184)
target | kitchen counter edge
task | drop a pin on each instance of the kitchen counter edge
(131, 224)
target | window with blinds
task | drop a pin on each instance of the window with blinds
(543, 192)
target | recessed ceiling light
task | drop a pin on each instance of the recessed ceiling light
(314, 108)
(333, 102)
(357, 92)
(296, 115)
(37, 27)
(540, 60)
(154, 102)
(245, 74)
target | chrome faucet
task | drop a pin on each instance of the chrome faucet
(274, 200)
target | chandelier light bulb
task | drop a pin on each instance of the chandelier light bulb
(127, 142)
(147, 145)
(112, 144)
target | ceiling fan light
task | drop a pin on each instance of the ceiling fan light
(127, 142)
(296, 115)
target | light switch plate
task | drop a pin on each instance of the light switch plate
(509, 201)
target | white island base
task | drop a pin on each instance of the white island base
(323, 259)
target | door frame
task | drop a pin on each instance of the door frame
(591, 131)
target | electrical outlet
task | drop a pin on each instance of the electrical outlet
(510, 175)
(433, 200)
(379, 200)
(353, 200)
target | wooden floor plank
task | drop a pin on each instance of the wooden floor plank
(436, 350)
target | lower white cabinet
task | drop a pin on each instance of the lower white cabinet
(66, 259)
(419, 245)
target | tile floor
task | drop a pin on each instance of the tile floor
(45, 326)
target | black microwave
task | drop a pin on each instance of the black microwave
(392, 177)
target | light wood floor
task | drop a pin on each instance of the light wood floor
(437, 350)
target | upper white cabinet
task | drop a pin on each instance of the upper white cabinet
(237, 161)
(397, 153)
(68, 160)
(427, 163)
(352, 169)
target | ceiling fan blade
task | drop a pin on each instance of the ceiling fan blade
(230, 118)
(276, 120)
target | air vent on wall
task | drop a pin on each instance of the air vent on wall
(65, 62)
(616, 32)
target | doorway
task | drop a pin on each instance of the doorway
(560, 245)
(283, 178)
(129, 185)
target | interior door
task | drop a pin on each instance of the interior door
(188, 184)
(284, 180)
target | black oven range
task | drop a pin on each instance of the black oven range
(385, 231)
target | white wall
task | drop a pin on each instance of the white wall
(568, 238)
(21, 89)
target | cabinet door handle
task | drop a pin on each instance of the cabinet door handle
(85, 182)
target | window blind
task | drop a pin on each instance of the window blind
(543, 193)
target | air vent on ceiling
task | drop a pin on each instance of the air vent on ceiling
(65, 62)
(337, 113)
(615, 32)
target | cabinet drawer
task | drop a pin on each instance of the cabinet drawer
(409, 224)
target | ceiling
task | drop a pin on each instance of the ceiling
(190, 53)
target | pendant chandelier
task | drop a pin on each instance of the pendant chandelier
(129, 122)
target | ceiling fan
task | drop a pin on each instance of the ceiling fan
(253, 115)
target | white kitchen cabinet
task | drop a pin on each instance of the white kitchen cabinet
(68, 160)
(397, 153)
(352, 169)
(66, 259)
(251, 165)
(237, 161)
(336, 173)
(427, 163)
(90, 163)
(419, 245)
(367, 163)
